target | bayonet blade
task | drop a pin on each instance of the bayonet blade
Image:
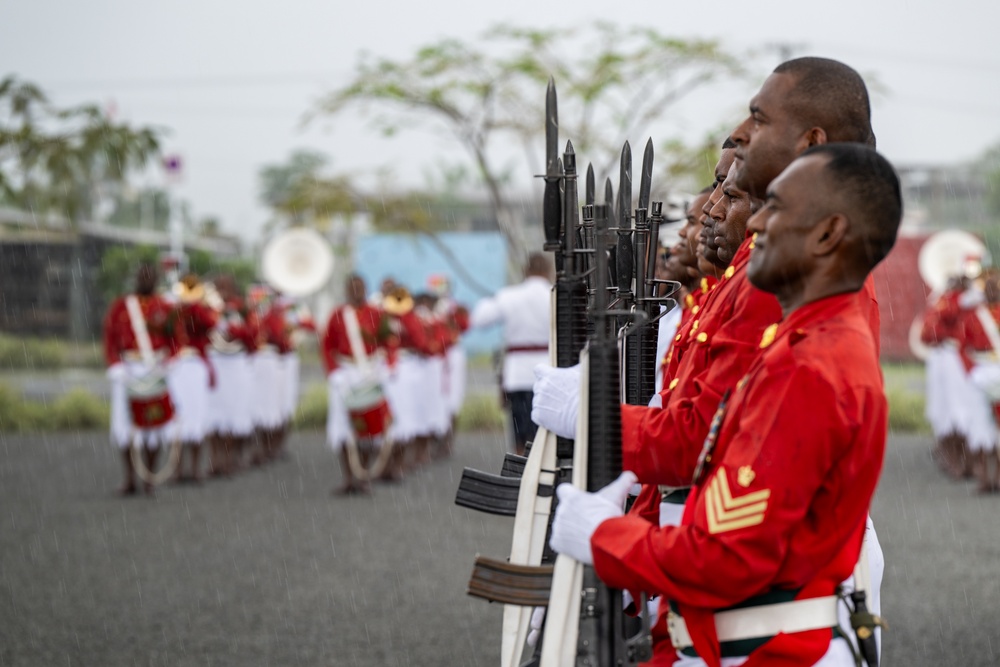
(551, 131)
(551, 204)
(589, 192)
(646, 177)
(624, 269)
(625, 188)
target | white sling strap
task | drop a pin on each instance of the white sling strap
(354, 338)
(139, 330)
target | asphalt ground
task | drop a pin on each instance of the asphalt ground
(267, 568)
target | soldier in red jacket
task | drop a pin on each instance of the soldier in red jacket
(716, 349)
(782, 487)
(191, 375)
(140, 334)
(352, 350)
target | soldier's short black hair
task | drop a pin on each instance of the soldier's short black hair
(867, 183)
(830, 95)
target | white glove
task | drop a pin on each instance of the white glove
(537, 619)
(556, 400)
(579, 513)
(117, 372)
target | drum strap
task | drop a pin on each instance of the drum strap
(139, 330)
(354, 338)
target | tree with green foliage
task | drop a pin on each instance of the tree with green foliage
(59, 161)
(613, 83)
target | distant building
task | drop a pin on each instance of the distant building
(41, 257)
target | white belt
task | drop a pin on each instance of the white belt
(763, 621)
(188, 351)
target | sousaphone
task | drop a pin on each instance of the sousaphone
(946, 255)
(297, 262)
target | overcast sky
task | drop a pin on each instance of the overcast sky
(232, 80)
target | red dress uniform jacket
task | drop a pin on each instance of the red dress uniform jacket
(335, 343)
(197, 319)
(241, 324)
(161, 323)
(782, 502)
(693, 304)
(661, 446)
(276, 329)
(406, 332)
(942, 321)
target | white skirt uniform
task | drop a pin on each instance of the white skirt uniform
(984, 382)
(269, 398)
(122, 430)
(434, 397)
(230, 408)
(456, 365)
(188, 381)
(290, 361)
(403, 386)
(339, 384)
(946, 379)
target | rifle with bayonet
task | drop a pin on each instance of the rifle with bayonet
(585, 624)
(529, 497)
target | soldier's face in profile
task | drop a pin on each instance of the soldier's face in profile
(781, 258)
(769, 138)
(726, 228)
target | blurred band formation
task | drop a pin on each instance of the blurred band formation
(200, 365)
(961, 343)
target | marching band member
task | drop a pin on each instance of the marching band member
(406, 344)
(270, 374)
(979, 348)
(947, 380)
(354, 336)
(234, 338)
(140, 334)
(191, 375)
(433, 400)
(456, 320)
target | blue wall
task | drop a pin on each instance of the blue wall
(410, 260)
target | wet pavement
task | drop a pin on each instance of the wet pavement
(267, 568)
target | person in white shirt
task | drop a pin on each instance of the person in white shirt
(524, 310)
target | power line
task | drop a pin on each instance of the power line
(228, 80)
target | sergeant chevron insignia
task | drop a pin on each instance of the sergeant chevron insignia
(727, 513)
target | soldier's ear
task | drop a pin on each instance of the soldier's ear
(828, 234)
